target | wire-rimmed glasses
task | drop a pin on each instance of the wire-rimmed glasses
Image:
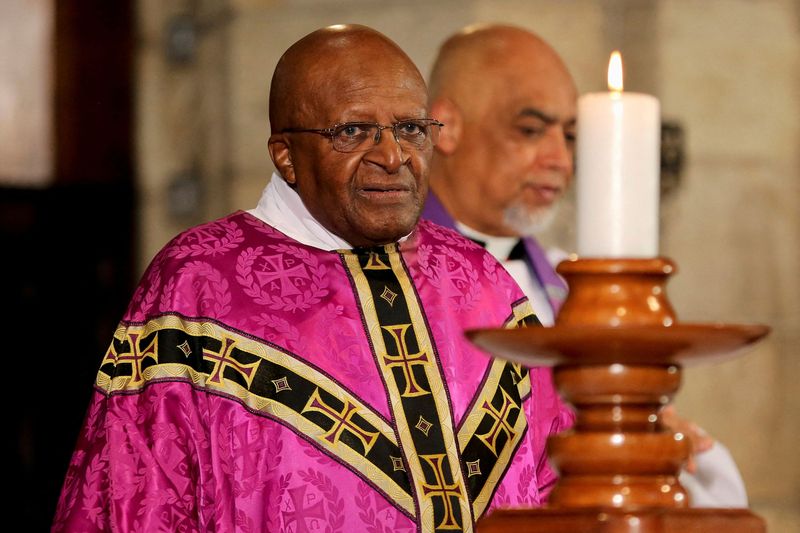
(412, 134)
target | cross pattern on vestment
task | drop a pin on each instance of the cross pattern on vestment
(300, 513)
(205, 235)
(247, 448)
(442, 490)
(223, 359)
(374, 263)
(456, 276)
(405, 360)
(342, 420)
(135, 356)
(501, 423)
(282, 274)
(516, 368)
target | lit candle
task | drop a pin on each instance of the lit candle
(618, 139)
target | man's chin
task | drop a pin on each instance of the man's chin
(526, 221)
(378, 236)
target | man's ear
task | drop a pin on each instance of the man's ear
(446, 111)
(281, 155)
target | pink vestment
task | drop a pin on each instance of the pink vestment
(259, 384)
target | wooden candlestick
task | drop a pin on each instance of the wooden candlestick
(617, 351)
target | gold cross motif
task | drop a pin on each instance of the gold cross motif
(442, 490)
(223, 360)
(501, 422)
(374, 263)
(342, 420)
(405, 360)
(135, 356)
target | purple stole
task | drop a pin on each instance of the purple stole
(535, 257)
(256, 383)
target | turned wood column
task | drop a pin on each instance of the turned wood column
(618, 454)
(617, 350)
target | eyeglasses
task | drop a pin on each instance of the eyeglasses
(362, 136)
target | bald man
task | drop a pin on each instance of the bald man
(302, 366)
(499, 170)
(505, 158)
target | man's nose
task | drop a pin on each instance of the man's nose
(556, 153)
(387, 152)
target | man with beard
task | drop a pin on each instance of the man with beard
(302, 366)
(499, 169)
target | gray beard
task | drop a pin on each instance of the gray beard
(527, 221)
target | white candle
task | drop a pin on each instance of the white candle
(618, 140)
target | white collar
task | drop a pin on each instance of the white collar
(283, 209)
(499, 247)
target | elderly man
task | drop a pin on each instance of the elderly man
(302, 366)
(505, 158)
(500, 168)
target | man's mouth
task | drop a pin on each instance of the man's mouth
(384, 193)
(548, 193)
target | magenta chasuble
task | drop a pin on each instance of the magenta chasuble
(259, 384)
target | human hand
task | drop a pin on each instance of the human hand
(699, 440)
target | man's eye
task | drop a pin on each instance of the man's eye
(351, 131)
(531, 131)
(411, 129)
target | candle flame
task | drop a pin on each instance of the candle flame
(615, 71)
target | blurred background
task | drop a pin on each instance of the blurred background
(125, 122)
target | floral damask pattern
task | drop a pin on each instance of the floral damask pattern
(282, 277)
(212, 239)
(173, 456)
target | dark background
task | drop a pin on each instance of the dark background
(68, 256)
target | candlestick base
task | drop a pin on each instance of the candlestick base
(617, 353)
(602, 520)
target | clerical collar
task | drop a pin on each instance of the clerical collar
(499, 247)
(283, 209)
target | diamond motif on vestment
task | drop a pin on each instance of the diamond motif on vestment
(397, 463)
(389, 296)
(473, 468)
(281, 384)
(185, 348)
(423, 425)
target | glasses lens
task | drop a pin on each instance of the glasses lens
(416, 133)
(362, 136)
(353, 136)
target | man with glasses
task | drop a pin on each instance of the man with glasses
(302, 366)
(498, 172)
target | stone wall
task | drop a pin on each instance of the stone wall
(727, 70)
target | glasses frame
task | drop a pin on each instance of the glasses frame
(329, 132)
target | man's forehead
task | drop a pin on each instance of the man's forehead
(359, 81)
(549, 104)
(363, 107)
(364, 93)
(551, 98)
(315, 74)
